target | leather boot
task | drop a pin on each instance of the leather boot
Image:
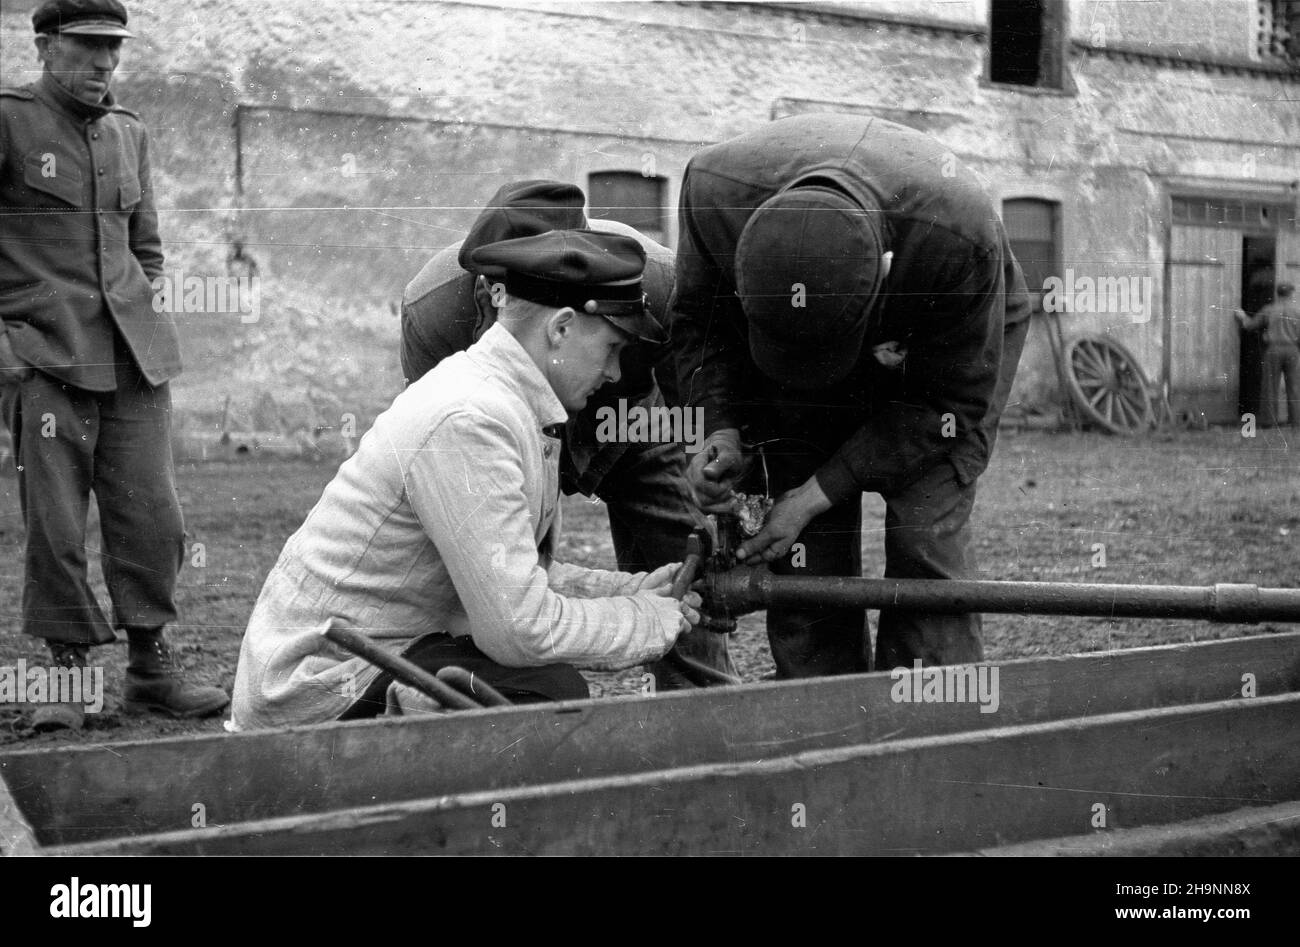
(66, 715)
(154, 682)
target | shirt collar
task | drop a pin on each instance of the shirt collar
(516, 367)
(65, 101)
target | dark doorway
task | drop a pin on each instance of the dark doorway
(1257, 273)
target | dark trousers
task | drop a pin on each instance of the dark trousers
(67, 443)
(520, 685)
(926, 537)
(1281, 364)
(650, 516)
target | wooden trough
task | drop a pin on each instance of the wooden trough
(1178, 749)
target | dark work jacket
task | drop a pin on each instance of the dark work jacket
(439, 318)
(955, 296)
(80, 242)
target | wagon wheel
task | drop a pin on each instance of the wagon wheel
(1108, 385)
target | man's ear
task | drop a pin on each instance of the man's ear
(886, 261)
(486, 301)
(42, 45)
(487, 298)
(559, 324)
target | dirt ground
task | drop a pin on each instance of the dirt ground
(1191, 508)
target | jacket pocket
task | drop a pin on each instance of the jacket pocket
(128, 193)
(54, 175)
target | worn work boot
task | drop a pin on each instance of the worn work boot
(65, 715)
(154, 682)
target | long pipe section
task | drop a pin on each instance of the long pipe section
(746, 588)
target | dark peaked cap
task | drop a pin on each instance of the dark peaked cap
(82, 18)
(820, 239)
(524, 209)
(595, 273)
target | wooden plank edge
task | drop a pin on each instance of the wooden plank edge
(1281, 640)
(1255, 831)
(841, 711)
(403, 820)
(16, 834)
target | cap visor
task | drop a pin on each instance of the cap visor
(645, 328)
(97, 29)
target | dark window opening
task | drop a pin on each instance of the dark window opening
(1015, 41)
(630, 198)
(1032, 226)
(1028, 42)
(1277, 31)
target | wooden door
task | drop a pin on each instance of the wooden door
(1288, 253)
(1205, 287)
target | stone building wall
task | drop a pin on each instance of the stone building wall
(330, 146)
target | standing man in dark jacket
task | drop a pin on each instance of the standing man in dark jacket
(1280, 322)
(85, 360)
(847, 304)
(448, 306)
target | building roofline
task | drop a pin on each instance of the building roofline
(1171, 57)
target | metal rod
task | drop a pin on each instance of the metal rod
(696, 671)
(747, 588)
(690, 567)
(473, 687)
(402, 669)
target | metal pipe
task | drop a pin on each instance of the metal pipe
(475, 688)
(747, 588)
(401, 669)
(690, 566)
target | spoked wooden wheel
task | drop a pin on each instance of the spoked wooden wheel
(1108, 385)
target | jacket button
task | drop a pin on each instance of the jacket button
(95, 136)
(101, 170)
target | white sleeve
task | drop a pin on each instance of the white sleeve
(581, 582)
(466, 485)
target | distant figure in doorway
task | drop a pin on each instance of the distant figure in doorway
(1280, 323)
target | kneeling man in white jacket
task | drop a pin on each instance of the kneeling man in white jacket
(436, 537)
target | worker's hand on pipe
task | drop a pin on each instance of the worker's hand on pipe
(715, 469)
(792, 512)
(660, 580)
(688, 609)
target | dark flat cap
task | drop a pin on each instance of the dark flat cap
(525, 209)
(808, 267)
(595, 273)
(82, 18)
